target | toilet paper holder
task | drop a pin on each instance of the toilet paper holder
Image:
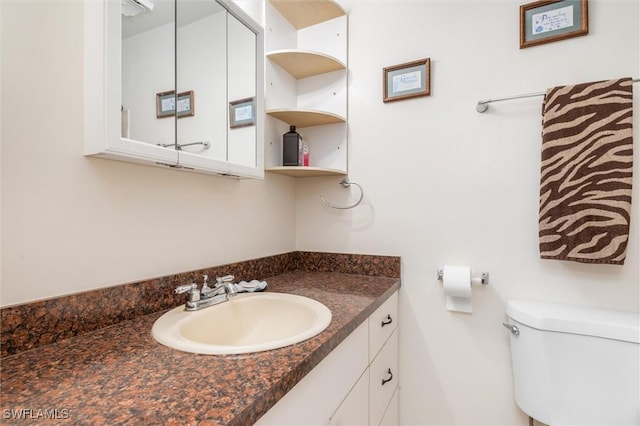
(483, 279)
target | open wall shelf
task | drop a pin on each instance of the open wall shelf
(305, 117)
(303, 64)
(295, 171)
(305, 13)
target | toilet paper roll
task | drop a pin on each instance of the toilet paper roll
(456, 281)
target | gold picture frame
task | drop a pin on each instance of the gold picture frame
(547, 21)
(408, 80)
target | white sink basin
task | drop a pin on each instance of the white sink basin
(249, 322)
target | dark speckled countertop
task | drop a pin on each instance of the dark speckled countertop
(121, 375)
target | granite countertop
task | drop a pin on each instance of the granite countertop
(121, 375)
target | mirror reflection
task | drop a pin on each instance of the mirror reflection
(148, 71)
(201, 79)
(242, 89)
(189, 79)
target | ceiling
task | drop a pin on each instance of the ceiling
(164, 12)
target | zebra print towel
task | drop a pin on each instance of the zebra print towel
(585, 179)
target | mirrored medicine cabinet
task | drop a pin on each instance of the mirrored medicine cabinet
(175, 83)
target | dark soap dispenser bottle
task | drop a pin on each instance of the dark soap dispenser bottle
(291, 147)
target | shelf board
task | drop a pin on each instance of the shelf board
(305, 13)
(297, 171)
(303, 63)
(305, 117)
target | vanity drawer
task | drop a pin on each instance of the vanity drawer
(382, 323)
(383, 376)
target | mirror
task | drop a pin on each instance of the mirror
(201, 67)
(148, 58)
(241, 90)
(216, 68)
(189, 75)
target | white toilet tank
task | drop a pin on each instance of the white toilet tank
(575, 365)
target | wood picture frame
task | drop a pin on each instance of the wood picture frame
(242, 112)
(547, 21)
(408, 80)
(185, 106)
(166, 104)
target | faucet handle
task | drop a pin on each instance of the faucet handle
(223, 280)
(191, 289)
(185, 288)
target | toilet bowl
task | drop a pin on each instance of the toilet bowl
(575, 365)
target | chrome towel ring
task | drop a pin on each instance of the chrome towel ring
(346, 183)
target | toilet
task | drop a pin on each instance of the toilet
(575, 365)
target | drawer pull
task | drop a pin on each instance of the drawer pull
(387, 320)
(389, 379)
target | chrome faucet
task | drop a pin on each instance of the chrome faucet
(223, 285)
(223, 290)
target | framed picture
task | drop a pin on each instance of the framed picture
(185, 105)
(408, 80)
(166, 104)
(242, 112)
(552, 20)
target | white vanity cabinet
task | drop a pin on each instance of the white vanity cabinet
(383, 358)
(306, 83)
(381, 377)
(346, 388)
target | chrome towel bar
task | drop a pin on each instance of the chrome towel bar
(483, 106)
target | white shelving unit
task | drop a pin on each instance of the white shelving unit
(306, 83)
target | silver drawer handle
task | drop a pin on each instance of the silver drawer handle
(389, 379)
(512, 328)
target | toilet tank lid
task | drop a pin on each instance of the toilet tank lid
(607, 323)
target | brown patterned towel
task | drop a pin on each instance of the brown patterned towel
(585, 179)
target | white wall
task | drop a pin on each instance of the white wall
(446, 185)
(72, 223)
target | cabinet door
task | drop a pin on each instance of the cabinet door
(384, 379)
(354, 410)
(316, 396)
(382, 323)
(131, 107)
(391, 416)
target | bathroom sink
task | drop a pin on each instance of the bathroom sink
(249, 322)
